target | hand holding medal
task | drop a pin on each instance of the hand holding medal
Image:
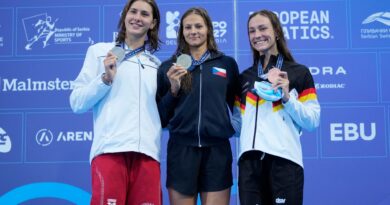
(270, 91)
(273, 75)
(184, 61)
(177, 71)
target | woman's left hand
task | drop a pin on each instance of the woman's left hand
(281, 81)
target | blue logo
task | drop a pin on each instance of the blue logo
(46, 190)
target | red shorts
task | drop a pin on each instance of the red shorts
(125, 178)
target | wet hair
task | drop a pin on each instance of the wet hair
(153, 40)
(281, 43)
(183, 47)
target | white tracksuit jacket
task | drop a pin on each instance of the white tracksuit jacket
(125, 114)
(273, 127)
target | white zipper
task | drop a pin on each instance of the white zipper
(200, 105)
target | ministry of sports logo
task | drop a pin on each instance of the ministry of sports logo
(42, 30)
(38, 28)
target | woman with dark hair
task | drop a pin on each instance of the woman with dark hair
(118, 81)
(277, 100)
(194, 104)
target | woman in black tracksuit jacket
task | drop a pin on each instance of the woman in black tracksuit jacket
(196, 109)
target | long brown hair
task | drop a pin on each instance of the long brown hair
(183, 47)
(281, 43)
(152, 34)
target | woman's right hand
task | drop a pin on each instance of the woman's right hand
(110, 68)
(175, 73)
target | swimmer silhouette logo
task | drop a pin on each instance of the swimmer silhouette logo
(42, 30)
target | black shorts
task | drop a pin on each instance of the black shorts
(268, 179)
(192, 170)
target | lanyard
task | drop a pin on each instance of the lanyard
(260, 72)
(202, 59)
(132, 52)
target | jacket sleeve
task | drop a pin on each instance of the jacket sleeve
(304, 107)
(236, 117)
(234, 83)
(233, 98)
(166, 102)
(88, 88)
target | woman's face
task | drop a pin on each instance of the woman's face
(195, 31)
(139, 19)
(262, 35)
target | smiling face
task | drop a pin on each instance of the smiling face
(139, 19)
(262, 35)
(195, 31)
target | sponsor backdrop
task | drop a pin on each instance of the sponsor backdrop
(44, 147)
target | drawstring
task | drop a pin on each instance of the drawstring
(262, 156)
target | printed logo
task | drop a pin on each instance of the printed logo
(370, 30)
(115, 33)
(352, 131)
(42, 28)
(1, 38)
(328, 71)
(111, 201)
(383, 17)
(18, 85)
(173, 21)
(336, 82)
(220, 29)
(54, 190)
(305, 24)
(44, 137)
(280, 201)
(5, 142)
(219, 71)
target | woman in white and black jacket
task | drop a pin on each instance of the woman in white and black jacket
(270, 162)
(195, 105)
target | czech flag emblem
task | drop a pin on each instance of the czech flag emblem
(219, 71)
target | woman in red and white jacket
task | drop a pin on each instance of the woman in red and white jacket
(125, 152)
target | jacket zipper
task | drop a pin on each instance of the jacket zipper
(254, 133)
(200, 105)
(139, 104)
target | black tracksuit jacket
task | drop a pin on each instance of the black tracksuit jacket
(200, 117)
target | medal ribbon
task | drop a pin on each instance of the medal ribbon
(202, 59)
(260, 72)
